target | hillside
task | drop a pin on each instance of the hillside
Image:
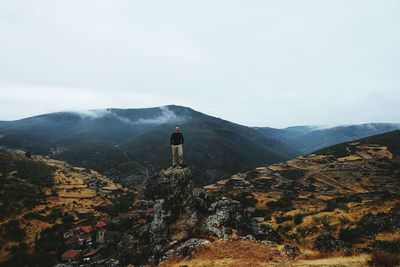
(343, 200)
(129, 144)
(41, 198)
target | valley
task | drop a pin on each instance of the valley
(340, 204)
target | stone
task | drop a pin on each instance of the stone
(291, 250)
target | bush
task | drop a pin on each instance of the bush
(298, 218)
(388, 246)
(321, 220)
(307, 230)
(385, 259)
(67, 219)
(343, 219)
(327, 243)
(14, 232)
(35, 216)
(348, 235)
(283, 218)
(284, 228)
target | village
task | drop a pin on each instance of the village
(91, 243)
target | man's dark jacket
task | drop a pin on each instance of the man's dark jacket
(176, 139)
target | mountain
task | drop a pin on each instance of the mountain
(340, 205)
(307, 139)
(130, 144)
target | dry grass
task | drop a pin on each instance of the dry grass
(343, 261)
(244, 253)
(231, 252)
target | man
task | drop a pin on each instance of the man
(176, 143)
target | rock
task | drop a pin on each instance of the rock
(159, 227)
(103, 263)
(174, 185)
(187, 247)
(200, 198)
(327, 243)
(291, 250)
(248, 237)
(262, 231)
(225, 212)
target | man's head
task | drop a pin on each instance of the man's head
(177, 129)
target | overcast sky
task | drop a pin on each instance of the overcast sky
(264, 63)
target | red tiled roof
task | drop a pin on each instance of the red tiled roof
(100, 224)
(71, 254)
(92, 252)
(87, 229)
(74, 240)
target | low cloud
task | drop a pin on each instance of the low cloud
(166, 116)
(93, 114)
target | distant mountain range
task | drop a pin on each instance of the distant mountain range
(307, 139)
(130, 144)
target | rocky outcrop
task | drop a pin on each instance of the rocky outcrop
(182, 213)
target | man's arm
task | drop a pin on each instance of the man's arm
(170, 140)
(182, 139)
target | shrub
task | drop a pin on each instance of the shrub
(283, 218)
(298, 218)
(385, 259)
(348, 235)
(388, 246)
(14, 232)
(285, 227)
(327, 243)
(343, 219)
(67, 219)
(321, 220)
(35, 216)
(306, 230)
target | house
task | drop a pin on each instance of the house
(71, 255)
(74, 242)
(100, 225)
(86, 229)
(91, 253)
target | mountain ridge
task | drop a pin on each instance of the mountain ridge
(129, 144)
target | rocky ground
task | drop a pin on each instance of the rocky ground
(317, 209)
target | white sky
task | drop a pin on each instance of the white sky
(264, 63)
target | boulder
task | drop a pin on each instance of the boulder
(263, 231)
(291, 250)
(224, 213)
(187, 247)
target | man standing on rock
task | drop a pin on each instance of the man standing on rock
(176, 143)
